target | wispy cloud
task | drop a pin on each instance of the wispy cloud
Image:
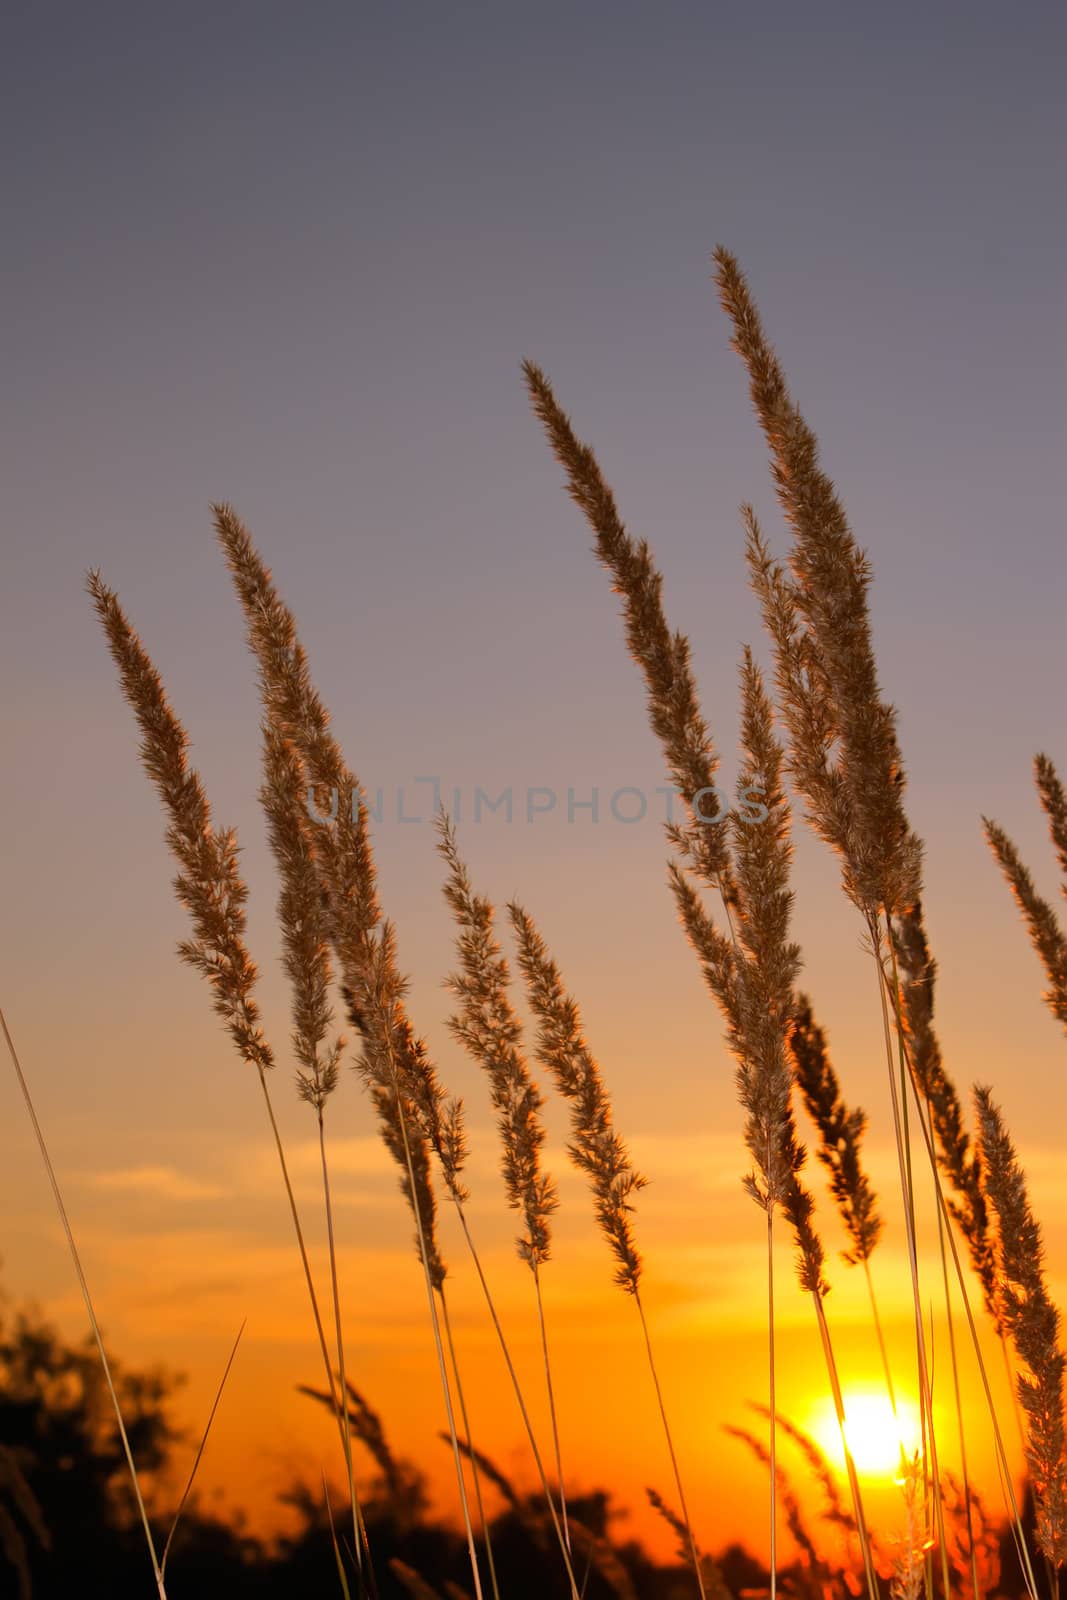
(164, 1182)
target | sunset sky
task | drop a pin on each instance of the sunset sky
(292, 257)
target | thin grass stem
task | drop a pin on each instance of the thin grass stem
(959, 1405)
(552, 1406)
(850, 1465)
(203, 1442)
(670, 1446)
(972, 1326)
(358, 1531)
(87, 1297)
(471, 1453)
(361, 1535)
(519, 1397)
(901, 1134)
(342, 1575)
(772, 1402)
(435, 1322)
(880, 1335)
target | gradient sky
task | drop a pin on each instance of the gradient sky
(291, 257)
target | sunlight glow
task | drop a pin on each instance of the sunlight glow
(875, 1436)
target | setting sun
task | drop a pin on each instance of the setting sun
(875, 1435)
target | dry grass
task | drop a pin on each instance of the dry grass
(828, 732)
(1043, 925)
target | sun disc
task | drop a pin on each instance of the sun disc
(876, 1436)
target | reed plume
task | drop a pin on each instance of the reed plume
(394, 1062)
(415, 1115)
(487, 1026)
(1033, 1323)
(209, 884)
(844, 754)
(854, 767)
(595, 1148)
(300, 916)
(306, 959)
(958, 1157)
(840, 1128)
(664, 657)
(1053, 798)
(1046, 933)
(751, 977)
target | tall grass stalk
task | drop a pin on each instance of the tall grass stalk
(898, 1095)
(669, 1437)
(446, 1389)
(374, 988)
(362, 1544)
(358, 1529)
(950, 1320)
(772, 1403)
(596, 1148)
(880, 1336)
(1034, 1323)
(200, 1452)
(307, 964)
(862, 1534)
(470, 1452)
(394, 1064)
(551, 1392)
(83, 1285)
(488, 1027)
(523, 1412)
(213, 891)
(947, 1215)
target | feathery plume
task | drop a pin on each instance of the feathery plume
(957, 1156)
(840, 1129)
(1033, 1322)
(487, 1026)
(827, 597)
(1046, 934)
(595, 1147)
(209, 884)
(306, 950)
(752, 977)
(394, 1062)
(1053, 798)
(663, 656)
